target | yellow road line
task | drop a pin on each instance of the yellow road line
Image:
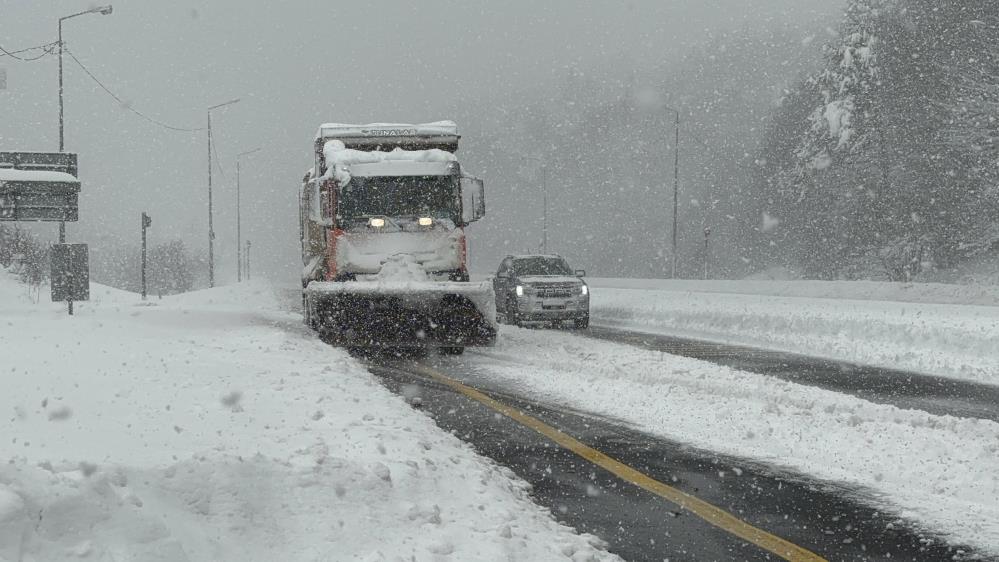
(706, 511)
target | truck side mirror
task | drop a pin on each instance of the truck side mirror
(473, 199)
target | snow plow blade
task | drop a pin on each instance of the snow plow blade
(402, 314)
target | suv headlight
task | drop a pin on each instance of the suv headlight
(520, 290)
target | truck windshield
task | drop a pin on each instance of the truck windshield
(400, 196)
(541, 266)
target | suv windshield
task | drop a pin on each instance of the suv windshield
(541, 266)
(400, 196)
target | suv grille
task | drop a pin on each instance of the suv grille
(556, 290)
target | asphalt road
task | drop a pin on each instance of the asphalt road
(827, 521)
(936, 395)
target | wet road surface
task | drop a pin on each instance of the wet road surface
(935, 395)
(829, 521)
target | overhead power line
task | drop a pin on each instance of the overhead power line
(47, 49)
(126, 105)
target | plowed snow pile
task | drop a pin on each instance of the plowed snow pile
(212, 427)
(944, 330)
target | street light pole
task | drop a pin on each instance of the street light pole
(707, 251)
(146, 223)
(211, 214)
(239, 257)
(544, 197)
(104, 11)
(62, 140)
(676, 185)
(247, 260)
(544, 190)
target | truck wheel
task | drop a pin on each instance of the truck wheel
(582, 323)
(451, 350)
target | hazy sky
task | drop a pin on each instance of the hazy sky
(295, 64)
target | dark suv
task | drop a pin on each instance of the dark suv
(543, 289)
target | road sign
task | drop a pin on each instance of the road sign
(39, 186)
(70, 272)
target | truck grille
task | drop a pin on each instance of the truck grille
(556, 290)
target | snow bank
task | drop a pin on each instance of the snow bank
(22, 298)
(212, 426)
(930, 293)
(939, 471)
(942, 339)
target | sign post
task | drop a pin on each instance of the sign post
(70, 273)
(42, 186)
(146, 223)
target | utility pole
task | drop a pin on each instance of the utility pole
(544, 190)
(247, 260)
(211, 214)
(707, 254)
(544, 198)
(104, 11)
(676, 185)
(239, 258)
(146, 223)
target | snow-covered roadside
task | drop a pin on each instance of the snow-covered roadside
(933, 293)
(939, 471)
(952, 340)
(211, 426)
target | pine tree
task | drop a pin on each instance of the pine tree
(896, 166)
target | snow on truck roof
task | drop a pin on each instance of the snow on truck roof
(343, 130)
(342, 162)
(335, 152)
(532, 256)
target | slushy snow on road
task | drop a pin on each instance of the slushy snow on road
(937, 471)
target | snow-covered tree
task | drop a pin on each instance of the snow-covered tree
(893, 170)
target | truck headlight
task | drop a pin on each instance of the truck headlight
(376, 222)
(520, 290)
(425, 221)
(586, 290)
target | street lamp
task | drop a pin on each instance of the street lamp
(247, 260)
(211, 220)
(544, 195)
(676, 183)
(104, 11)
(707, 251)
(146, 223)
(239, 257)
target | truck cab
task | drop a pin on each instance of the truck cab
(541, 289)
(383, 215)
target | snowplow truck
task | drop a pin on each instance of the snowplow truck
(383, 214)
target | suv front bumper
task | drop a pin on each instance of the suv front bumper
(533, 309)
